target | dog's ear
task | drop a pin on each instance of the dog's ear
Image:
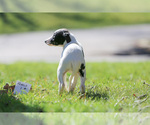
(66, 35)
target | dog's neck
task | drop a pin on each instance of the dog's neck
(73, 40)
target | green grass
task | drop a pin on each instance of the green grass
(109, 88)
(75, 6)
(23, 22)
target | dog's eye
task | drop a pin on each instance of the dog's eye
(53, 38)
(54, 34)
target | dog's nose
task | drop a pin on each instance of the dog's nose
(45, 41)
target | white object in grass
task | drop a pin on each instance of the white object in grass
(21, 88)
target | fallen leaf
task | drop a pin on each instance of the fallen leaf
(7, 87)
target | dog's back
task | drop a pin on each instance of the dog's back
(72, 57)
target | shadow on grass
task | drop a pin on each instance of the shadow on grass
(9, 103)
(95, 94)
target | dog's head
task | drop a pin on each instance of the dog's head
(59, 37)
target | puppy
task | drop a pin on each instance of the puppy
(72, 60)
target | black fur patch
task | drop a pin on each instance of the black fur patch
(82, 67)
(60, 36)
(67, 36)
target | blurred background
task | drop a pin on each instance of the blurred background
(74, 6)
(104, 36)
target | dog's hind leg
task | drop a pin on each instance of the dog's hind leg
(82, 86)
(60, 76)
(82, 72)
(61, 83)
(65, 82)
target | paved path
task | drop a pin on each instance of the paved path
(100, 44)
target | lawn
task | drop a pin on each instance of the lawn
(110, 87)
(75, 6)
(24, 22)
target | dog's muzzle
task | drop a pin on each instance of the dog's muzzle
(48, 41)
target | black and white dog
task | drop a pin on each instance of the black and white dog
(72, 59)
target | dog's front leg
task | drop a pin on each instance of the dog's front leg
(70, 82)
(74, 82)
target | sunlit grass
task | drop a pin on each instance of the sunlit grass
(109, 88)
